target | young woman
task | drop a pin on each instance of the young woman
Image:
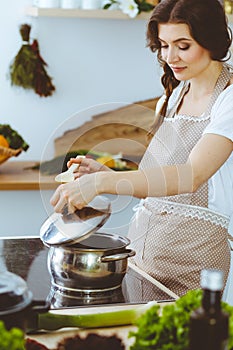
(186, 175)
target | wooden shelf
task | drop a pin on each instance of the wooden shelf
(79, 13)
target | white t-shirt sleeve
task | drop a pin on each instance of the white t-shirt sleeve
(222, 115)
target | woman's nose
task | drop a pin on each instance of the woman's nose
(172, 55)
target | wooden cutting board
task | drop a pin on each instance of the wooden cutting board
(123, 130)
(51, 339)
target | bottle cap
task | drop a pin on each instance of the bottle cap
(212, 279)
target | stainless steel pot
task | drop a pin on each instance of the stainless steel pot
(96, 263)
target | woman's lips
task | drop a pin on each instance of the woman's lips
(178, 69)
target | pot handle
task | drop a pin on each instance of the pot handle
(126, 254)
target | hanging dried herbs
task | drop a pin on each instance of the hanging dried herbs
(28, 68)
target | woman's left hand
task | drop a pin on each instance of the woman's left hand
(76, 194)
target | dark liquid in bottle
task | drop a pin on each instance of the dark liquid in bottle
(209, 324)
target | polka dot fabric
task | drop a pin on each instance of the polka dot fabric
(171, 247)
(177, 248)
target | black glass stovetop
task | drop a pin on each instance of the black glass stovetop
(27, 257)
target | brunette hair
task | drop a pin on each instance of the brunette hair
(208, 26)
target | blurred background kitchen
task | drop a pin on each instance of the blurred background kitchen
(92, 61)
(95, 63)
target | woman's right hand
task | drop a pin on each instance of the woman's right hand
(86, 166)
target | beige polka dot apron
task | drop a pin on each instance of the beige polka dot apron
(176, 237)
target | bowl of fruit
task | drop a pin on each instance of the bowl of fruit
(11, 143)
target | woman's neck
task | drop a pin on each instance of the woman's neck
(204, 84)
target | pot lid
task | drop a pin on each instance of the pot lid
(14, 293)
(66, 229)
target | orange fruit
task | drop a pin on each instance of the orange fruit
(3, 143)
(106, 160)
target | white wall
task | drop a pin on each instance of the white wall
(92, 61)
(95, 63)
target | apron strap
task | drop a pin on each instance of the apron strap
(222, 82)
(220, 85)
(230, 229)
(178, 100)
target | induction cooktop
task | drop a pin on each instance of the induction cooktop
(27, 257)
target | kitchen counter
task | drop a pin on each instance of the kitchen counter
(18, 175)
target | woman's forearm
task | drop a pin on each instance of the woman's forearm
(156, 182)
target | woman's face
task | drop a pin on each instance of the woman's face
(181, 52)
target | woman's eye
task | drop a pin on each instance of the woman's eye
(183, 48)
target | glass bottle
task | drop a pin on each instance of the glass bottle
(209, 325)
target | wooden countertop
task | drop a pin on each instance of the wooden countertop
(17, 175)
